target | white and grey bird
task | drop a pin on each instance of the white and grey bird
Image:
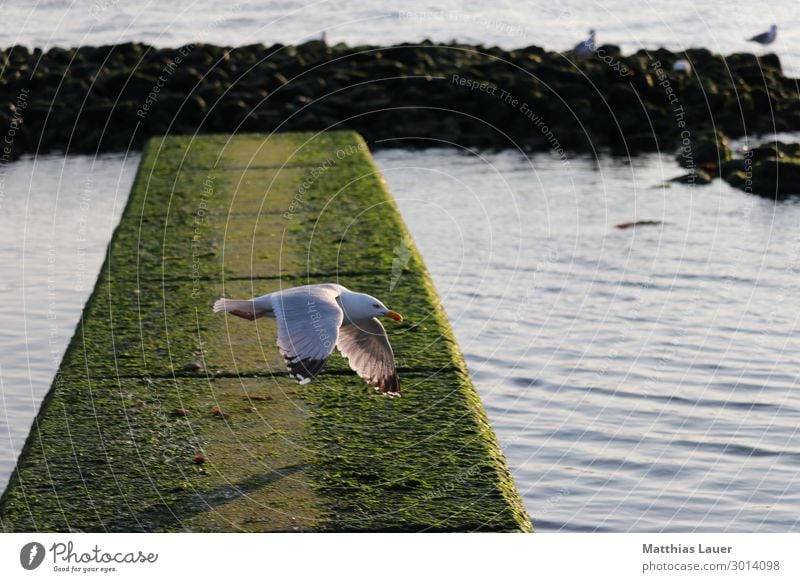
(585, 48)
(315, 319)
(766, 37)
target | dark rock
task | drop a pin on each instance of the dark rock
(791, 150)
(134, 49)
(739, 179)
(59, 55)
(134, 84)
(194, 109)
(611, 50)
(771, 125)
(17, 54)
(96, 115)
(765, 152)
(623, 99)
(82, 70)
(761, 99)
(776, 178)
(742, 106)
(218, 75)
(247, 56)
(710, 149)
(771, 61)
(185, 78)
(533, 50)
(699, 57)
(731, 166)
(752, 74)
(232, 111)
(641, 142)
(737, 61)
(314, 50)
(771, 170)
(696, 177)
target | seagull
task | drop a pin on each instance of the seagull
(586, 47)
(766, 37)
(313, 319)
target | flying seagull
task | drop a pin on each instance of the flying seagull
(313, 319)
(585, 48)
(766, 37)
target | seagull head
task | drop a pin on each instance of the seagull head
(360, 306)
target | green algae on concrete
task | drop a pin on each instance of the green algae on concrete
(166, 417)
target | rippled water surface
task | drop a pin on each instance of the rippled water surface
(638, 379)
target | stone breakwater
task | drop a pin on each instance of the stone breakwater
(112, 98)
(771, 169)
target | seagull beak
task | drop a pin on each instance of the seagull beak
(394, 315)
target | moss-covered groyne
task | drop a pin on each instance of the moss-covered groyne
(165, 417)
(113, 98)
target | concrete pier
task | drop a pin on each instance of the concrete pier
(167, 417)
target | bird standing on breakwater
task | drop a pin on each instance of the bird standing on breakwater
(766, 37)
(587, 47)
(313, 319)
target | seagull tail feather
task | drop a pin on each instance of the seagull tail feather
(244, 308)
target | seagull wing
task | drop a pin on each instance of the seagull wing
(367, 349)
(308, 328)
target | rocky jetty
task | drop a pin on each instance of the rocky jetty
(771, 170)
(113, 98)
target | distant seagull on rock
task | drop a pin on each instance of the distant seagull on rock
(313, 319)
(766, 37)
(682, 66)
(585, 48)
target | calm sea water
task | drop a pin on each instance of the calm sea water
(508, 23)
(639, 380)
